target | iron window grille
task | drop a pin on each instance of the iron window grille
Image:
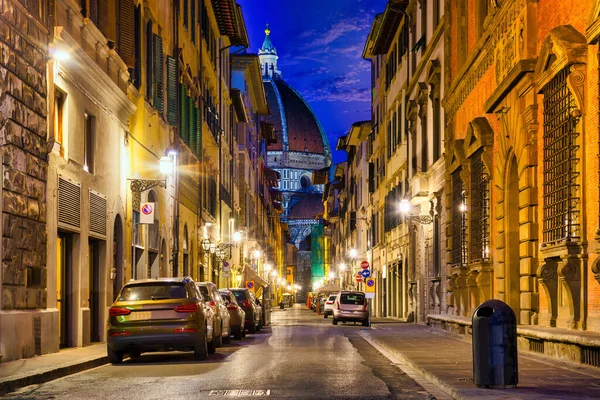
(459, 220)
(480, 209)
(561, 190)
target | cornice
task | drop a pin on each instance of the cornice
(87, 76)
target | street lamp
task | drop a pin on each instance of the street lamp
(137, 186)
(405, 209)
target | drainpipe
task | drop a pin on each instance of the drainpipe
(175, 250)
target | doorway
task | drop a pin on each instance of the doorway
(117, 273)
(64, 287)
(512, 272)
(94, 291)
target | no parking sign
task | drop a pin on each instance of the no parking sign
(369, 285)
(250, 285)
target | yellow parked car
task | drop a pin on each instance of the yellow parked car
(162, 314)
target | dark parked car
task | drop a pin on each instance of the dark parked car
(248, 302)
(237, 314)
(157, 315)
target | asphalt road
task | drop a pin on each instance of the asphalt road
(300, 356)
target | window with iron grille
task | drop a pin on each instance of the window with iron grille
(480, 209)
(459, 220)
(561, 190)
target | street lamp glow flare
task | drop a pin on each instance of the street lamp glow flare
(404, 206)
(353, 253)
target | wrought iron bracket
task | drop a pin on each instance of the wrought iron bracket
(421, 219)
(141, 185)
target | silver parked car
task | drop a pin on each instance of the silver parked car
(221, 318)
(351, 306)
(329, 305)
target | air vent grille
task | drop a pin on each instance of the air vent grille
(69, 203)
(98, 216)
(590, 356)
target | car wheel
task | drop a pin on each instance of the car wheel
(325, 316)
(114, 356)
(335, 321)
(238, 333)
(365, 322)
(201, 352)
(243, 328)
(219, 341)
(135, 354)
(252, 328)
(227, 339)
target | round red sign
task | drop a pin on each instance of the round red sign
(358, 278)
(364, 265)
(147, 209)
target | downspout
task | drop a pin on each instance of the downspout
(175, 250)
(199, 220)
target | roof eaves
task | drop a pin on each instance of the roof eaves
(392, 16)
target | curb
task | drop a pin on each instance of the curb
(448, 389)
(13, 383)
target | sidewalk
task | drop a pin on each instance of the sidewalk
(446, 361)
(29, 371)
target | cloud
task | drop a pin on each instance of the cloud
(354, 50)
(345, 88)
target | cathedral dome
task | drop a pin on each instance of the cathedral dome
(297, 127)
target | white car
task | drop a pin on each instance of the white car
(329, 305)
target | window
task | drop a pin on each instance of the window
(153, 291)
(149, 60)
(424, 142)
(459, 222)
(59, 104)
(561, 190)
(480, 209)
(88, 143)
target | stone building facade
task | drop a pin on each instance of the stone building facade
(23, 279)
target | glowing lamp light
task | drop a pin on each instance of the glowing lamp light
(274, 274)
(61, 55)
(462, 207)
(237, 237)
(256, 253)
(353, 253)
(238, 278)
(404, 206)
(166, 164)
(331, 275)
(342, 267)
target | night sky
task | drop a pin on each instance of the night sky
(319, 44)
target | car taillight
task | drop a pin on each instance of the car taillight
(184, 330)
(187, 308)
(123, 333)
(212, 303)
(246, 303)
(337, 305)
(232, 307)
(329, 302)
(116, 311)
(366, 307)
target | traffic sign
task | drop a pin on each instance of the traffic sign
(369, 285)
(358, 278)
(364, 265)
(250, 285)
(365, 273)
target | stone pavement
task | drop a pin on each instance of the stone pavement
(446, 360)
(35, 370)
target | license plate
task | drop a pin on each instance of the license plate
(146, 315)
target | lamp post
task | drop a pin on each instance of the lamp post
(137, 186)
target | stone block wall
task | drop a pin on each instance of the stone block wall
(23, 128)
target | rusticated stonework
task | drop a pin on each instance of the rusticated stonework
(23, 42)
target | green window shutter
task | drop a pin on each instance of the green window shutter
(183, 121)
(192, 126)
(158, 75)
(199, 133)
(171, 91)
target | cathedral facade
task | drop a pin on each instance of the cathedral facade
(301, 148)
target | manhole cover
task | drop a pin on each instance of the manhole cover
(240, 393)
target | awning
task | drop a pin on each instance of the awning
(329, 288)
(248, 274)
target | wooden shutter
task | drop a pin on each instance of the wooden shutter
(193, 21)
(158, 74)
(126, 40)
(192, 126)
(92, 13)
(98, 213)
(149, 61)
(185, 13)
(183, 120)
(171, 91)
(69, 203)
(106, 19)
(199, 133)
